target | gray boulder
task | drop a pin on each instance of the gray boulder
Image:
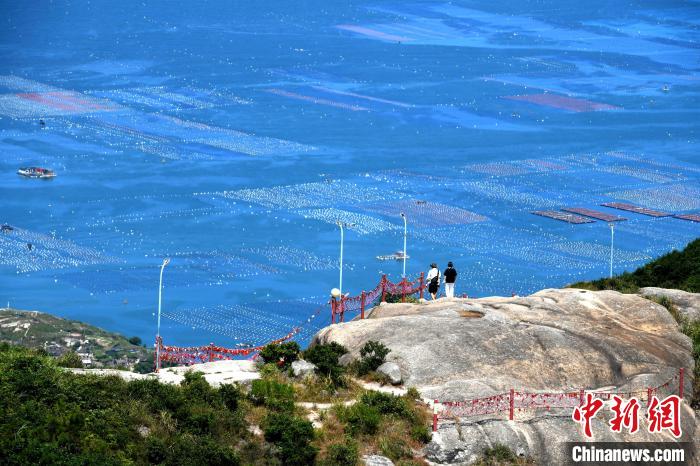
(377, 460)
(301, 368)
(392, 371)
(688, 304)
(346, 359)
(552, 341)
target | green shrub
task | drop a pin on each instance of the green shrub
(325, 357)
(396, 298)
(498, 455)
(230, 396)
(342, 454)
(360, 418)
(70, 359)
(394, 448)
(292, 436)
(274, 395)
(281, 354)
(372, 355)
(421, 433)
(135, 341)
(413, 394)
(386, 403)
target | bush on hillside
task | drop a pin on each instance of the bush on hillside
(292, 436)
(70, 359)
(281, 354)
(372, 355)
(325, 357)
(272, 394)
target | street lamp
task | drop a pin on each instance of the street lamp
(166, 261)
(342, 240)
(612, 239)
(405, 229)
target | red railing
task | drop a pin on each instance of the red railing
(514, 400)
(366, 299)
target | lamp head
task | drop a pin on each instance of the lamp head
(166, 261)
(403, 215)
(335, 293)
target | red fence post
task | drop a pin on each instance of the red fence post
(403, 290)
(211, 352)
(422, 284)
(681, 372)
(580, 397)
(383, 288)
(512, 404)
(435, 416)
(649, 392)
(362, 305)
(333, 305)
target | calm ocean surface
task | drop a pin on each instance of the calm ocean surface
(230, 136)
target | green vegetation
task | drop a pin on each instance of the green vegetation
(372, 355)
(69, 359)
(52, 416)
(325, 357)
(292, 438)
(60, 336)
(677, 269)
(281, 354)
(501, 455)
(397, 298)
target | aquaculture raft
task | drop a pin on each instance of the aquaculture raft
(690, 217)
(36, 172)
(563, 216)
(636, 209)
(594, 214)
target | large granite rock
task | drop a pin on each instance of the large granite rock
(301, 368)
(553, 340)
(688, 304)
(392, 371)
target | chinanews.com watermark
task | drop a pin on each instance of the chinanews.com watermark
(631, 453)
(659, 415)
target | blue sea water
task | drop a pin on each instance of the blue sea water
(231, 136)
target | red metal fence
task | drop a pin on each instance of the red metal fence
(366, 300)
(514, 400)
(338, 307)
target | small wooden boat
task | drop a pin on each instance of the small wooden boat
(36, 172)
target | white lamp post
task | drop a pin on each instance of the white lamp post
(612, 240)
(405, 229)
(342, 240)
(166, 261)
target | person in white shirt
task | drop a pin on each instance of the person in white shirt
(433, 280)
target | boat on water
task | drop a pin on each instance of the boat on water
(36, 172)
(397, 256)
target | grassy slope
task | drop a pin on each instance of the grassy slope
(677, 269)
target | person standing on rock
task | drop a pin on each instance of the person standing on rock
(450, 278)
(433, 280)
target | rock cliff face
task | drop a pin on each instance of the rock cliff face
(553, 340)
(688, 304)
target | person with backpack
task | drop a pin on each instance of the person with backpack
(450, 278)
(433, 280)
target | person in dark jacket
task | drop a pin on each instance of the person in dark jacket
(450, 278)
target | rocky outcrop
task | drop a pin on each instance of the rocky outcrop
(554, 340)
(392, 371)
(216, 373)
(688, 304)
(301, 368)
